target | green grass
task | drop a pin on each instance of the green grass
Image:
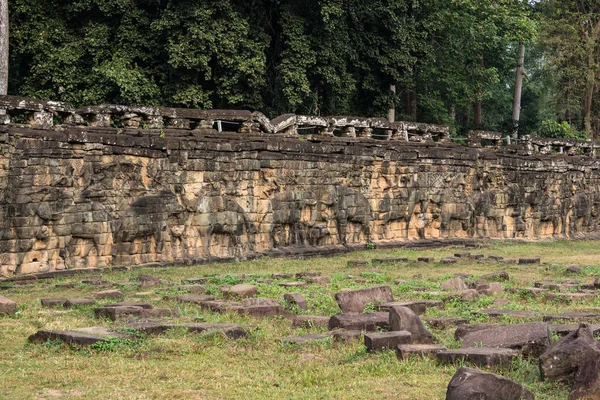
(179, 365)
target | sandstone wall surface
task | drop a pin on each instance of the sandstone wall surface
(77, 197)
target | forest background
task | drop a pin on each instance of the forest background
(451, 62)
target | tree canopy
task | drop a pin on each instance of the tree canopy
(452, 61)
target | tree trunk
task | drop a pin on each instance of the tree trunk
(516, 112)
(4, 32)
(477, 120)
(392, 110)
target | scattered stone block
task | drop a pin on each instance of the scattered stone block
(377, 341)
(448, 260)
(574, 269)
(418, 306)
(389, 260)
(356, 263)
(147, 281)
(469, 383)
(261, 307)
(108, 294)
(404, 319)
(75, 337)
(310, 321)
(501, 276)
(565, 329)
(570, 296)
(462, 255)
(496, 258)
(494, 312)
(463, 330)
(7, 306)
(529, 260)
(304, 339)
(532, 339)
(79, 302)
(368, 322)
(131, 304)
(356, 300)
(193, 289)
(426, 259)
(319, 280)
(295, 299)
(52, 303)
(232, 331)
(573, 316)
(241, 291)
(221, 306)
(443, 323)
(195, 281)
(561, 361)
(454, 284)
(307, 274)
(114, 313)
(490, 289)
(469, 294)
(196, 299)
(587, 379)
(405, 351)
(480, 356)
(500, 302)
(477, 256)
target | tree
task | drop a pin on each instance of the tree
(571, 33)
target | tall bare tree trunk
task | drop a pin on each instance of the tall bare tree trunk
(392, 110)
(477, 119)
(4, 32)
(516, 112)
(591, 37)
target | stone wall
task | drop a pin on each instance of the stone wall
(91, 196)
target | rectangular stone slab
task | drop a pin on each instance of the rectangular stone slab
(68, 337)
(418, 306)
(532, 339)
(7, 306)
(482, 357)
(369, 322)
(355, 301)
(377, 341)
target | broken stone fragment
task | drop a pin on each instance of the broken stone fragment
(561, 361)
(355, 301)
(108, 294)
(7, 306)
(295, 299)
(454, 284)
(241, 291)
(404, 319)
(473, 384)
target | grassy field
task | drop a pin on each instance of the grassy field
(180, 365)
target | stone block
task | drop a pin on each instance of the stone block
(239, 291)
(377, 341)
(369, 322)
(480, 356)
(108, 294)
(51, 303)
(418, 306)
(469, 383)
(79, 302)
(404, 319)
(295, 299)
(7, 306)
(357, 300)
(531, 339)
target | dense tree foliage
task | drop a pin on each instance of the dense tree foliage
(453, 61)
